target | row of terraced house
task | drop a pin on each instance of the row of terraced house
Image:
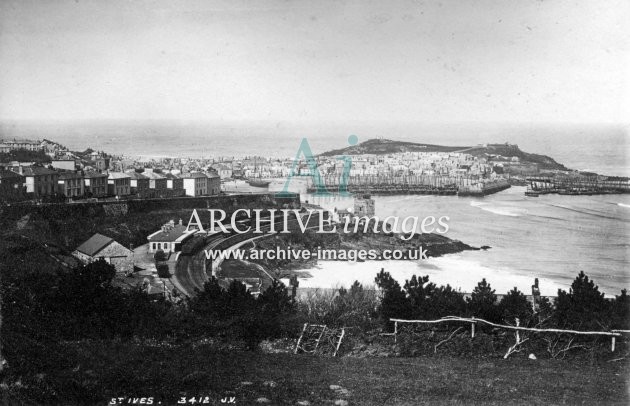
(33, 181)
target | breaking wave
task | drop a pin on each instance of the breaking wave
(500, 210)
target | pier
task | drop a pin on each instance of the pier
(583, 185)
(416, 185)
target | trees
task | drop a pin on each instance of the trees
(515, 305)
(394, 303)
(429, 301)
(236, 313)
(446, 301)
(620, 312)
(482, 302)
(583, 306)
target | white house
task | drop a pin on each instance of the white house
(170, 237)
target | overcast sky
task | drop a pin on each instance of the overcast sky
(484, 61)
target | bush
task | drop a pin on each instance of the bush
(163, 270)
(346, 307)
(238, 315)
(160, 255)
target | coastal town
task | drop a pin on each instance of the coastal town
(45, 171)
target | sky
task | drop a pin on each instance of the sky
(442, 61)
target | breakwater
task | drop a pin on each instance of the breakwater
(459, 187)
(578, 185)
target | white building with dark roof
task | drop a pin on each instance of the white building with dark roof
(170, 237)
(195, 184)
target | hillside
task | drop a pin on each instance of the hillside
(384, 146)
(496, 151)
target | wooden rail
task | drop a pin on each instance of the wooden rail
(472, 320)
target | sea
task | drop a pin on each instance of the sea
(550, 237)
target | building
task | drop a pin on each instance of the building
(70, 184)
(170, 237)
(101, 164)
(224, 171)
(174, 182)
(11, 185)
(214, 184)
(24, 144)
(39, 181)
(196, 184)
(157, 181)
(118, 184)
(65, 164)
(95, 184)
(100, 246)
(364, 206)
(138, 182)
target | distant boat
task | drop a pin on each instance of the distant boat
(258, 182)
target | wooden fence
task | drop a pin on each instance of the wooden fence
(473, 321)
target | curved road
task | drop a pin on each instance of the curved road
(190, 271)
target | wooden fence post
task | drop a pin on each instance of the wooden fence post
(612, 344)
(297, 346)
(472, 329)
(343, 332)
(395, 331)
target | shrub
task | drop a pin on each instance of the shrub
(160, 255)
(163, 271)
(238, 315)
(345, 307)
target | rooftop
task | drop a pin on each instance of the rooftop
(69, 175)
(153, 175)
(118, 175)
(95, 244)
(171, 232)
(95, 175)
(194, 175)
(5, 174)
(34, 170)
(136, 175)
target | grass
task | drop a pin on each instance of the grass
(107, 369)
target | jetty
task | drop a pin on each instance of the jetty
(578, 185)
(416, 185)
